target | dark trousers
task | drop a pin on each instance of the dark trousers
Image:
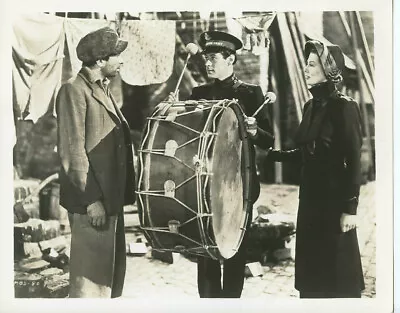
(329, 294)
(209, 275)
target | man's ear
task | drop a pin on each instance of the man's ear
(101, 63)
(231, 59)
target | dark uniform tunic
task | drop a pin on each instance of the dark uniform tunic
(329, 143)
(250, 98)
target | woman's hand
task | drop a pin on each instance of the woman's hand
(251, 125)
(348, 222)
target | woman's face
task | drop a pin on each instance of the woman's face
(314, 72)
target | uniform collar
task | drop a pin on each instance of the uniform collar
(227, 82)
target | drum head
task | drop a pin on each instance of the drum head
(227, 185)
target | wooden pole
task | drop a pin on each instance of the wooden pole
(365, 44)
(285, 35)
(264, 60)
(362, 103)
(301, 35)
(299, 58)
(194, 27)
(345, 24)
(364, 71)
(296, 39)
(276, 128)
(368, 81)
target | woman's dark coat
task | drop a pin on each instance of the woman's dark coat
(329, 142)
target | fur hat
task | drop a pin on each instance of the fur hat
(100, 44)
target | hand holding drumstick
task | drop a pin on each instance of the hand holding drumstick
(251, 122)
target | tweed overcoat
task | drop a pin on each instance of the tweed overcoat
(95, 148)
(96, 164)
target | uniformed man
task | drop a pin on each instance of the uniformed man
(219, 51)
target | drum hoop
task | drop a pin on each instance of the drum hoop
(234, 104)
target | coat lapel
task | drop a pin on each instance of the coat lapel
(311, 123)
(317, 120)
(117, 110)
(124, 123)
(99, 94)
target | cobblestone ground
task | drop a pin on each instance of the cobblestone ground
(147, 277)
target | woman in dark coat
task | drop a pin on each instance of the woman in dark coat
(328, 144)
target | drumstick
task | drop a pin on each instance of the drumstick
(192, 49)
(270, 97)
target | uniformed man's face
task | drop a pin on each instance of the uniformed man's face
(313, 71)
(217, 66)
(112, 66)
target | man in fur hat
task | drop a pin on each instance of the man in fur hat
(96, 176)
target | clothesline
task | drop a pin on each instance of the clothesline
(212, 19)
(178, 20)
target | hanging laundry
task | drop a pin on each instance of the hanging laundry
(256, 28)
(149, 57)
(75, 29)
(37, 53)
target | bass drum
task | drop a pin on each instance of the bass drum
(194, 178)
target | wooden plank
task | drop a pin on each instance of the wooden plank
(57, 286)
(32, 249)
(59, 243)
(49, 272)
(33, 266)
